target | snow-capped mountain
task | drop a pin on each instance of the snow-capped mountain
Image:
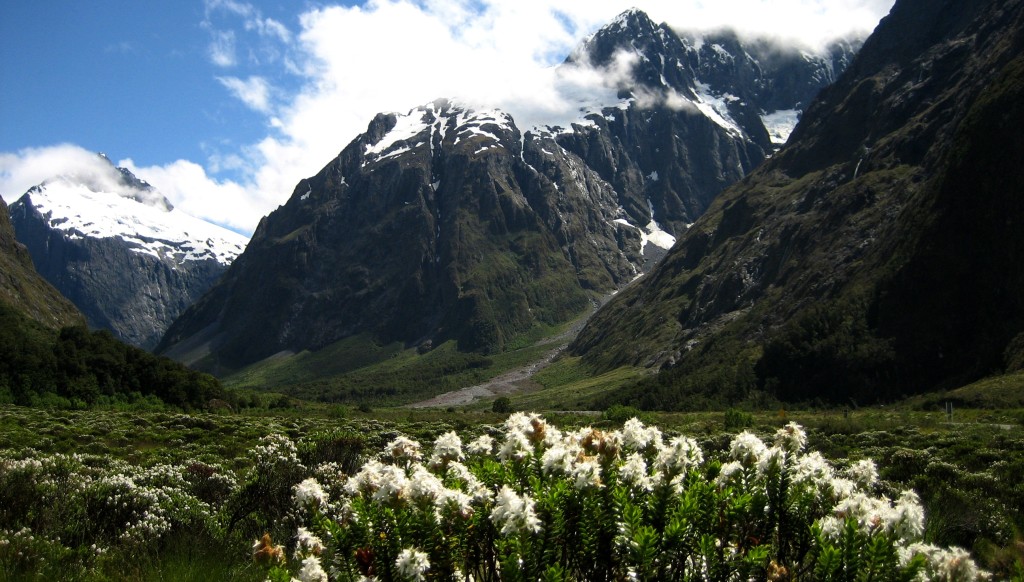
(451, 222)
(119, 250)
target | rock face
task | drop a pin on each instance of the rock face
(450, 222)
(877, 254)
(120, 252)
(22, 288)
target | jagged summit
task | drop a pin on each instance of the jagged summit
(753, 88)
(119, 250)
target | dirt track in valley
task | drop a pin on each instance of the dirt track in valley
(514, 380)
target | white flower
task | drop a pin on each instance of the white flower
(864, 473)
(481, 446)
(412, 564)
(842, 488)
(514, 514)
(832, 527)
(404, 448)
(587, 473)
(309, 493)
(447, 447)
(516, 447)
(530, 425)
(367, 480)
(772, 459)
(393, 486)
(312, 571)
(791, 437)
(870, 513)
(307, 544)
(950, 565)
(457, 500)
(634, 472)
(728, 471)
(424, 485)
(907, 518)
(637, 437)
(747, 448)
(812, 469)
(559, 458)
(680, 455)
(474, 486)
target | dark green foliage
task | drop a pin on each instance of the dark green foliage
(502, 405)
(1014, 354)
(829, 353)
(620, 413)
(344, 448)
(79, 368)
(720, 377)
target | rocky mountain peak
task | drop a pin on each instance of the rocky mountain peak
(119, 250)
(645, 55)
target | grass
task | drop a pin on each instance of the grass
(568, 384)
(967, 471)
(359, 371)
(996, 392)
(343, 356)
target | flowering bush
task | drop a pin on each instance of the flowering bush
(630, 504)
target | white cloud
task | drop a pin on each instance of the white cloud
(32, 166)
(254, 91)
(190, 189)
(252, 16)
(185, 184)
(222, 48)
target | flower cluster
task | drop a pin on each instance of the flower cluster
(629, 504)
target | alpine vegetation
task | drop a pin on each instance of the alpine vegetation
(532, 502)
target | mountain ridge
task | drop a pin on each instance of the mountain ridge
(800, 281)
(119, 250)
(449, 223)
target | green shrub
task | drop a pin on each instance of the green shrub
(621, 413)
(502, 405)
(736, 419)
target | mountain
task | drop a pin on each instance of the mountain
(22, 289)
(451, 223)
(877, 254)
(48, 357)
(118, 249)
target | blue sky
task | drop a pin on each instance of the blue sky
(225, 105)
(127, 77)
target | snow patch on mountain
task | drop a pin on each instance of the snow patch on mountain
(82, 212)
(406, 127)
(780, 124)
(716, 108)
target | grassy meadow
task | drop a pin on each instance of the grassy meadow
(137, 495)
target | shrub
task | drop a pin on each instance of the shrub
(736, 419)
(502, 405)
(620, 413)
(623, 505)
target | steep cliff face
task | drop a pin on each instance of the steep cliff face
(120, 252)
(23, 289)
(875, 254)
(453, 223)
